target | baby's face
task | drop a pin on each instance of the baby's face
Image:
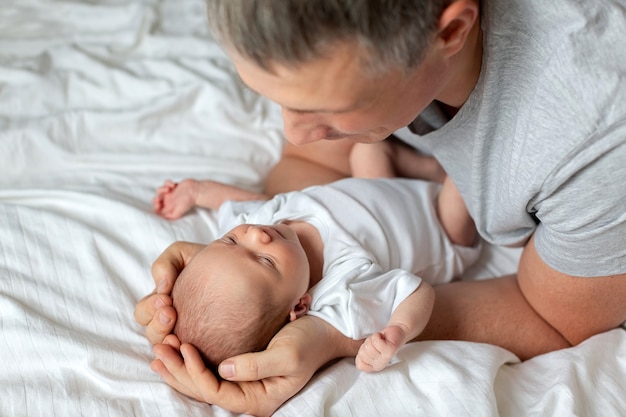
(259, 259)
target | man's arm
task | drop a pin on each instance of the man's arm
(491, 311)
(576, 307)
(538, 311)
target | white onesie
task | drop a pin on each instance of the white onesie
(381, 238)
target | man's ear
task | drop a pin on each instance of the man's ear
(455, 24)
(301, 308)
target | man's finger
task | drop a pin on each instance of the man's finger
(161, 324)
(239, 397)
(255, 366)
(165, 270)
(286, 356)
(148, 306)
(170, 366)
(207, 383)
(157, 366)
(168, 265)
(172, 340)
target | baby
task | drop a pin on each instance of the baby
(357, 253)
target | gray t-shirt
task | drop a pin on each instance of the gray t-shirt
(540, 145)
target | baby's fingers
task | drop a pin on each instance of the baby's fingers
(167, 187)
(379, 342)
(157, 203)
(375, 353)
(366, 356)
(169, 184)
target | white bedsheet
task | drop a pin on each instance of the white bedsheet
(99, 103)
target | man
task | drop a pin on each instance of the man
(524, 105)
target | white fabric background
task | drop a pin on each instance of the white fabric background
(100, 102)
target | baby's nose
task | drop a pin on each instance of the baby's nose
(257, 233)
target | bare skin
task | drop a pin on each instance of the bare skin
(313, 164)
(538, 310)
(392, 158)
(406, 323)
(302, 166)
(173, 200)
(262, 393)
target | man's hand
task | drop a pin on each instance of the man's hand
(259, 382)
(155, 310)
(186, 373)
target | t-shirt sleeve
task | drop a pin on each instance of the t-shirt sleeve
(361, 306)
(582, 229)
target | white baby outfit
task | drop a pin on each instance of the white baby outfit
(381, 238)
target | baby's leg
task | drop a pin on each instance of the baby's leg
(372, 160)
(411, 163)
(393, 158)
(378, 349)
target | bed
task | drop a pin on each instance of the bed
(100, 102)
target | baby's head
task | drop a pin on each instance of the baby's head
(240, 290)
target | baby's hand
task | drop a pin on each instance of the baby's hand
(378, 349)
(172, 200)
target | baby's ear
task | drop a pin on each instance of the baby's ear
(301, 308)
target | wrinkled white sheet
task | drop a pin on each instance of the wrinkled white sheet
(99, 103)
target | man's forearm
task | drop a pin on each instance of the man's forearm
(491, 311)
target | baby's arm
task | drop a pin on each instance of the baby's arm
(172, 199)
(406, 323)
(454, 217)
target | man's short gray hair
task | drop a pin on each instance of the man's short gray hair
(290, 32)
